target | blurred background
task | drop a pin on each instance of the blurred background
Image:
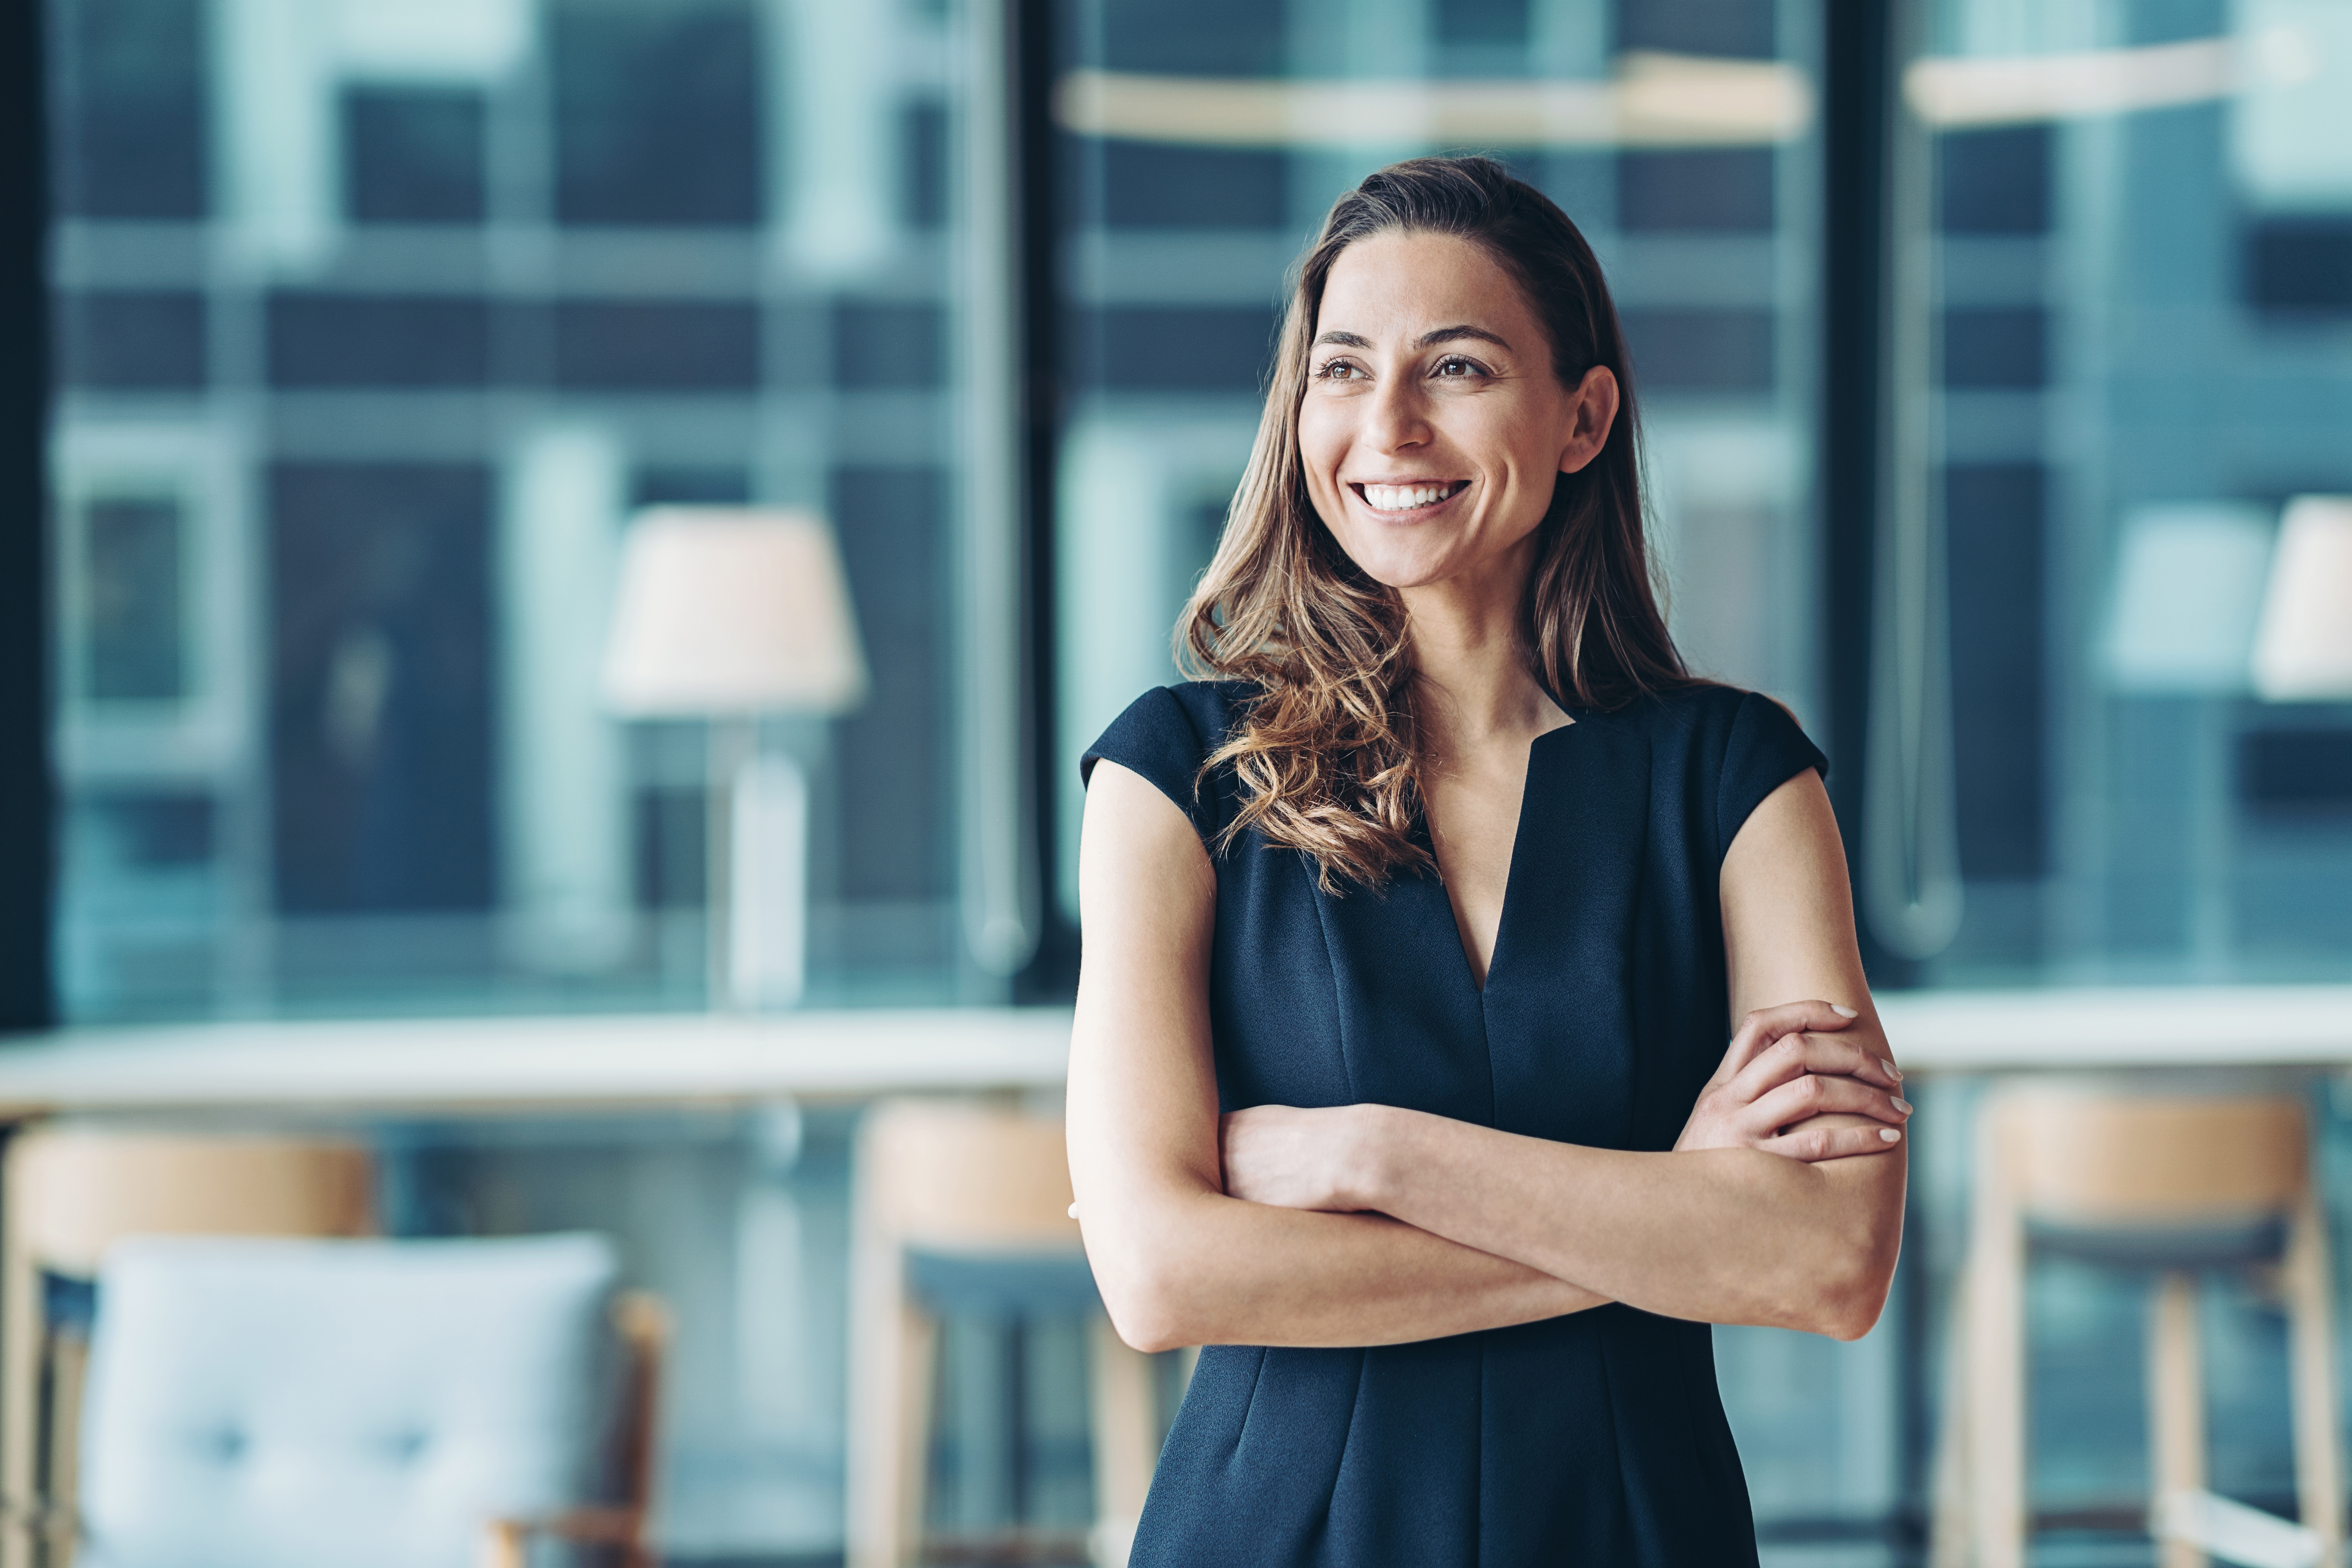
(1983, 346)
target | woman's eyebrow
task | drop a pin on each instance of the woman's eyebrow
(1457, 333)
(1344, 339)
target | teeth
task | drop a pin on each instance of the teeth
(1404, 498)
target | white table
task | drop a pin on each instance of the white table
(497, 1065)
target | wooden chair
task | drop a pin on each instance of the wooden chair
(72, 1192)
(2175, 1183)
(938, 1180)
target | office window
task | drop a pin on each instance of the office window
(371, 340)
(2133, 357)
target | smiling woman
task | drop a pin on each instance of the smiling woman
(1399, 1075)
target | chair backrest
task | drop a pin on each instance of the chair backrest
(2116, 1159)
(282, 1403)
(73, 1191)
(955, 1176)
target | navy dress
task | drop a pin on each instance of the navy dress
(1596, 1438)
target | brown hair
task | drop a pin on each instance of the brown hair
(1326, 753)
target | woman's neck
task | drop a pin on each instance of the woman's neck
(1472, 659)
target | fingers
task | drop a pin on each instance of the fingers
(1791, 1055)
(1818, 1094)
(1815, 1143)
(1766, 1025)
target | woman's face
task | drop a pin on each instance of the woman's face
(1433, 425)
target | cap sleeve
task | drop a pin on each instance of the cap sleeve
(1766, 750)
(1157, 739)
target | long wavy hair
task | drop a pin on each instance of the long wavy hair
(1327, 751)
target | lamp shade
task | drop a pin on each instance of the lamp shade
(731, 610)
(2303, 651)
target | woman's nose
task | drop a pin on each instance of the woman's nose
(1396, 419)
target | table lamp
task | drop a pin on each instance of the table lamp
(2303, 651)
(726, 613)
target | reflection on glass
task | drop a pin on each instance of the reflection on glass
(2142, 356)
(376, 322)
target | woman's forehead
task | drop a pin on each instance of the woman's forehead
(1400, 284)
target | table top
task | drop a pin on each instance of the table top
(503, 1065)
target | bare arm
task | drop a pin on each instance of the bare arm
(1178, 1261)
(1739, 1234)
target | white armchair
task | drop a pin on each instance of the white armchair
(299, 1404)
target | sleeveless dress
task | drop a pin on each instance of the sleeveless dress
(1596, 1438)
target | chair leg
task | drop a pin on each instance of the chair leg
(1125, 1439)
(2176, 1407)
(1948, 1544)
(21, 1335)
(2311, 1329)
(1995, 1347)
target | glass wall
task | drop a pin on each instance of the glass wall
(2128, 299)
(377, 321)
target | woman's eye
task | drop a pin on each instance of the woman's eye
(1338, 370)
(1457, 367)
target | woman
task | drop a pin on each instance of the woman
(1447, 896)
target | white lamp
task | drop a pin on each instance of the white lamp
(2303, 651)
(726, 613)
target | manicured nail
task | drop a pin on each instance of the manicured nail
(1888, 1135)
(1074, 1208)
(1843, 1012)
(1892, 1070)
(1904, 1105)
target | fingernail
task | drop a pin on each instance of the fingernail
(1904, 1105)
(1074, 1211)
(1843, 1012)
(1888, 1135)
(1892, 1070)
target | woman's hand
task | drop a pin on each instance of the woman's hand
(1295, 1159)
(1786, 1067)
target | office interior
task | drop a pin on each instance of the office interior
(397, 385)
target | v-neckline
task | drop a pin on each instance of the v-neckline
(1478, 986)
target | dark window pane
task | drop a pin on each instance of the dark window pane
(1995, 348)
(1147, 347)
(1147, 186)
(2293, 774)
(132, 612)
(657, 112)
(358, 341)
(1993, 519)
(1743, 27)
(672, 854)
(412, 154)
(2300, 264)
(895, 757)
(1701, 351)
(923, 152)
(666, 345)
(147, 342)
(1995, 182)
(700, 486)
(130, 113)
(1491, 22)
(1713, 190)
(154, 830)
(1194, 37)
(893, 345)
(381, 662)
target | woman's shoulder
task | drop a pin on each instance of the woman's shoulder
(1729, 747)
(1166, 734)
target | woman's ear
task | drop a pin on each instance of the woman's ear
(1593, 410)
